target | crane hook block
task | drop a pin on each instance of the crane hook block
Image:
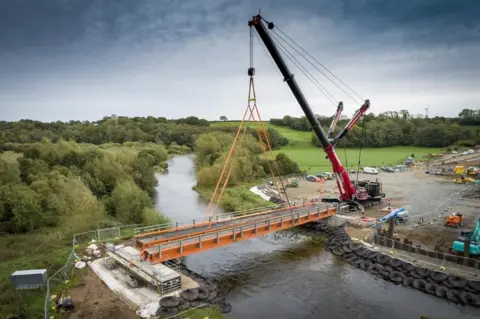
(271, 25)
(251, 71)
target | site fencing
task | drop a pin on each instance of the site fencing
(79, 242)
(436, 214)
(432, 259)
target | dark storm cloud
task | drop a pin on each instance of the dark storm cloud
(120, 55)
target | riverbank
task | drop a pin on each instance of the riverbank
(51, 191)
(236, 198)
(283, 276)
(441, 284)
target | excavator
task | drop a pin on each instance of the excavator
(454, 220)
(473, 236)
(355, 195)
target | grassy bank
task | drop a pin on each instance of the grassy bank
(235, 198)
(50, 191)
(312, 159)
(202, 313)
(295, 138)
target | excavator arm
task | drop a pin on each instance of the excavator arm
(346, 188)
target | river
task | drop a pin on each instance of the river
(279, 276)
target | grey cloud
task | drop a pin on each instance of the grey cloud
(64, 59)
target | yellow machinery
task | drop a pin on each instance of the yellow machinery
(459, 170)
(454, 220)
(463, 180)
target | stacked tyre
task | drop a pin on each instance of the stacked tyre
(192, 298)
(453, 288)
(207, 294)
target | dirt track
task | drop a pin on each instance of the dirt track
(94, 300)
(418, 193)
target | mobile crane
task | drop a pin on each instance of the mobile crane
(355, 195)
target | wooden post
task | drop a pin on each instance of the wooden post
(466, 250)
(391, 224)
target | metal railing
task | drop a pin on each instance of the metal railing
(221, 217)
(80, 241)
(420, 256)
(238, 230)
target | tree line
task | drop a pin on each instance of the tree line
(74, 187)
(400, 129)
(246, 165)
(171, 133)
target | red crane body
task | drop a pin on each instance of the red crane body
(348, 191)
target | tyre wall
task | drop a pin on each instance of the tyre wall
(397, 271)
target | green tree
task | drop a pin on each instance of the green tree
(130, 202)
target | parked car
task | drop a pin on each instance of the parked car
(370, 170)
(387, 170)
(311, 178)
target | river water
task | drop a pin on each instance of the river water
(279, 276)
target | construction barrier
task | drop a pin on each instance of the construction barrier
(79, 242)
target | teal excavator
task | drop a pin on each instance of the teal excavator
(458, 245)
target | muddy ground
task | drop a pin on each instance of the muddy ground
(418, 193)
(94, 300)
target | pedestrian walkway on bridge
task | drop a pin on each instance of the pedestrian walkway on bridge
(178, 241)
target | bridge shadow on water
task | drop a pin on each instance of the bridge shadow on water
(283, 276)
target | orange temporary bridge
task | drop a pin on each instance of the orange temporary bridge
(165, 242)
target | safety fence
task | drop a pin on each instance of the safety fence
(224, 216)
(436, 214)
(433, 259)
(80, 241)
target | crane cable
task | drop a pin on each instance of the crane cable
(282, 182)
(251, 109)
(304, 70)
(322, 65)
(361, 146)
(290, 55)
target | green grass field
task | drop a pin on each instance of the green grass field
(312, 158)
(295, 138)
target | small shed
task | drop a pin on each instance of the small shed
(29, 279)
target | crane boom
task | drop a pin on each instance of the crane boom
(336, 117)
(345, 186)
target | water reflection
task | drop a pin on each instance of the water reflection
(281, 276)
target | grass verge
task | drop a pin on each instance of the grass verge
(202, 313)
(30, 251)
(237, 198)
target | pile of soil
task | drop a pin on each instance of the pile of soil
(94, 300)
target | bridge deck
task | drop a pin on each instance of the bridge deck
(151, 239)
(174, 244)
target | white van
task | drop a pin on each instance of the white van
(370, 170)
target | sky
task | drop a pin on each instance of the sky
(86, 59)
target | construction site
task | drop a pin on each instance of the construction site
(359, 212)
